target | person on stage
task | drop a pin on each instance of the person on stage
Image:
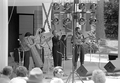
(79, 48)
(57, 57)
(30, 41)
(27, 51)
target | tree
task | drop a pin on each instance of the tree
(111, 12)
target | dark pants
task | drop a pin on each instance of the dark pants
(79, 51)
(27, 55)
(57, 57)
(42, 54)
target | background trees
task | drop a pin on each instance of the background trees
(111, 13)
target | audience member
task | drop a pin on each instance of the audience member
(21, 75)
(57, 73)
(35, 76)
(98, 76)
(5, 74)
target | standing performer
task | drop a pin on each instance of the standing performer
(30, 40)
(27, 51)
(57, 57)
(79, 48)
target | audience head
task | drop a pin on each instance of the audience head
(58, 72)
(98, 76)
(21, 71)
(7, 71)
(35, 75)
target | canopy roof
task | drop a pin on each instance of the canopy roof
(38, 2)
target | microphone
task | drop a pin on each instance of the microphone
(19, 40)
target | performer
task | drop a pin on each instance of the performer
(34, 53)
(79, 49)
(39, 41)
(57, 57)
(27, 52)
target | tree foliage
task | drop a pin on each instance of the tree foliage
(111, 12)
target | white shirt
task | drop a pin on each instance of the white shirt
(56, 80)
(18, 80)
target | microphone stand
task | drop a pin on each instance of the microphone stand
(21, 62)
(63, 53)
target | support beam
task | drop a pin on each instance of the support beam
(3, 33)
(119, 33)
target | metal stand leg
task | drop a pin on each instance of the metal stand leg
(19, 57)
(23, 59)
(64, 56)
(72, 74)
(90, 53)
(99, 57)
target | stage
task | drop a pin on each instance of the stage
(92, 61)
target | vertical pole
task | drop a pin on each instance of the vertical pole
(3, 33)
(119, 34)
(73, 41)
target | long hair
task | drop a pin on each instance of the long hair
(27, 34)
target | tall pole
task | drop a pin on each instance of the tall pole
(119, 33)
(73, 26)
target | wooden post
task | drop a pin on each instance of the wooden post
(47, 15)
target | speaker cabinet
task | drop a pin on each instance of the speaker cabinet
(86, 69)
(113, 66)
(112, 56)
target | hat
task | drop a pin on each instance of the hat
(35, 71)
(35, 75)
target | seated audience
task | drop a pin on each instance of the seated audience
(5, 74)
(58, 74)
(98, 76)
(21, 75)
(35, 76)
